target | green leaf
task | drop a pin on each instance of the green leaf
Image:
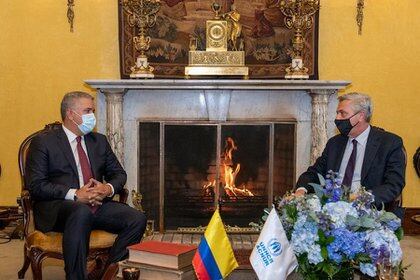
(292, 212)
(330, 269)
(321, 179)
(352, 222)
(364, 258)
(367, 222)
(330, 239)
(318, 189)
(324, 252)
(387, 216)
(399, 233)
(321, 236)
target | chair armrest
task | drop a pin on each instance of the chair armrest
(26, 204)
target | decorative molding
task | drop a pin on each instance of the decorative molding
(320, 100)
(70, 13)
(217, 104)
(114, 124)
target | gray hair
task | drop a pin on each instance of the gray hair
(69, 101)
(359, 102)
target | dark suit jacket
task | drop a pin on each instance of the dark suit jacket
(383, 169)
(51, 171)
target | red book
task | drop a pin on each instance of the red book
(164, 254)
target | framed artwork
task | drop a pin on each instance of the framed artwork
(267, 40)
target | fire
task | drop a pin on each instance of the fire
(229, 173)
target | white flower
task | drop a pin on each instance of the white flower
(339, 211)
(313, 203)
(314, 254)
(368, 269)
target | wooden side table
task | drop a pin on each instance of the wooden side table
(416, 219)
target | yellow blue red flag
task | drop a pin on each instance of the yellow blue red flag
(214, 258)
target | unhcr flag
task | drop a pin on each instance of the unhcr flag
(214, 258)
(273, 256)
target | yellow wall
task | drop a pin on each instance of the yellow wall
(382, 62)
(40, 60)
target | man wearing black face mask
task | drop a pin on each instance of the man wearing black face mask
(362, 155)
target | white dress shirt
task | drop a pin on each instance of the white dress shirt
(73, 144)
(360, 155)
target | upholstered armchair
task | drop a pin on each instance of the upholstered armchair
(38, 245)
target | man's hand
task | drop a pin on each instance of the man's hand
(100, 190)
(300, 192)
(85, 194)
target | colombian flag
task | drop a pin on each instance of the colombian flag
(214, 258)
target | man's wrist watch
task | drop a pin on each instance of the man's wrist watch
(75, 197)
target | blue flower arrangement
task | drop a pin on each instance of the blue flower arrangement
(334, 232)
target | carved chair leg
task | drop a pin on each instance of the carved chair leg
(26, 263)
(36, 256)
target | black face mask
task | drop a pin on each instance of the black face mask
(345, 126)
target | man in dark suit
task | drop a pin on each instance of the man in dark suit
(72, 175)
(362, 155)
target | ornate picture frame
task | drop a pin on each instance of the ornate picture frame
(267, 40)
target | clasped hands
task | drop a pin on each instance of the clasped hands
(298, 193)
(93, 192)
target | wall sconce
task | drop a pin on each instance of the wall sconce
(359, 17)
(70, 13)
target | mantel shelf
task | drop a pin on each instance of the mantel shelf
(228, 84)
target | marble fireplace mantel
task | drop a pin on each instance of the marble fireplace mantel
(121, 104)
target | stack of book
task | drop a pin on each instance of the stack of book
(161, 260)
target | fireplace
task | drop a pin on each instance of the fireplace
(189, 168)
(144, 118)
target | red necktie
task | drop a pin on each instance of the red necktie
(84, 162)
(85, 166)
(348, 175)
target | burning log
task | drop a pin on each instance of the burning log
(230, 173)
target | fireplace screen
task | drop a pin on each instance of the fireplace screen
(187, 169)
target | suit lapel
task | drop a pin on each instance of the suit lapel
(372, 146)
(90, 142)
(341, 147)
(63, 142)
